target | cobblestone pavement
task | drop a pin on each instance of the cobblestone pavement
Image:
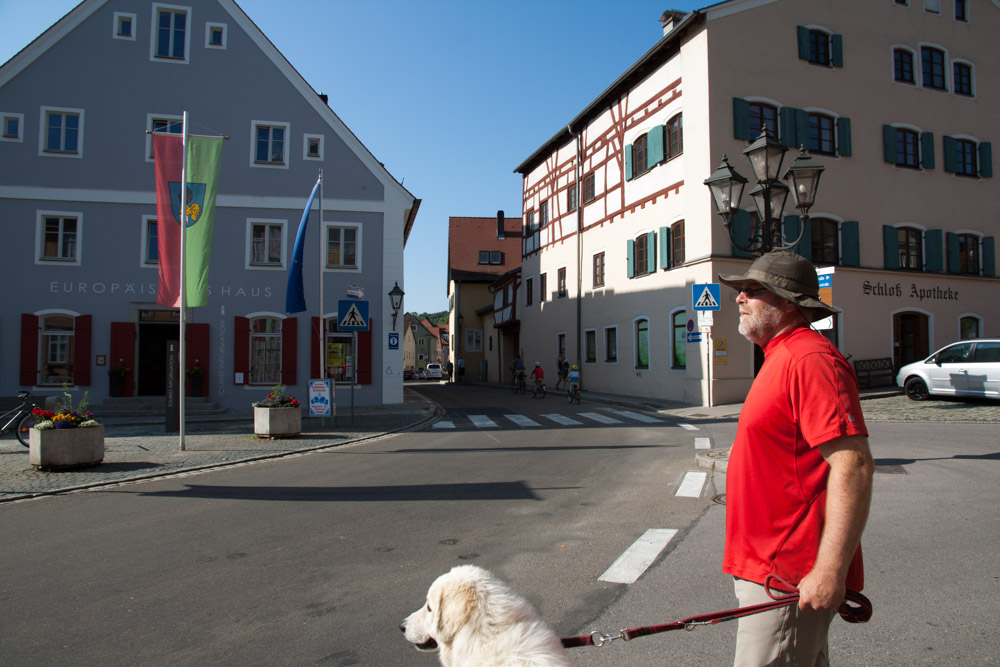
(898, 408)
(142, 452)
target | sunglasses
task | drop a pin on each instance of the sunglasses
(751, 292)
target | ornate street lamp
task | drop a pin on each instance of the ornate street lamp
(766, 157)
(396, 297)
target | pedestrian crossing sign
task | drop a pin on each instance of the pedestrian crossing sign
(352, 315)
(706, 296)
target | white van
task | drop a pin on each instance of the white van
(433, 371)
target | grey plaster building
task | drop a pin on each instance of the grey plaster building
(77, 205)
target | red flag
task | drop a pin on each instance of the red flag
(168, 156)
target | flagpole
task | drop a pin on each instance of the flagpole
(181, 346)
(322, 318)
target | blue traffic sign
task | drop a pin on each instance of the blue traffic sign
(706, 296)
(393, 341)
(352, 315)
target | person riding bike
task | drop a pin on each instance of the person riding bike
(537, 374)
(517, 366)
(573, 379)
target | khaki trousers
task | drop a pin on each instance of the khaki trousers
(786, 637)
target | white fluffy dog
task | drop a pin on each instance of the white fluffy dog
(477, 621)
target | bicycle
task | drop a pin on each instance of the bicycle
(20, 419)
(517, 384)
(573, 393)
(539, 388)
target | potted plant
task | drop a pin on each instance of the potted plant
(278, 415)
(66, 437)
(194, 374)
(117, 374)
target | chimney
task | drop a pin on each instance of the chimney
(325, 98)
(500, 232)
(670, 19)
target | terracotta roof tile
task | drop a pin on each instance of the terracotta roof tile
(467, 236)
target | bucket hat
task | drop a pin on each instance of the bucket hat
(790, 276)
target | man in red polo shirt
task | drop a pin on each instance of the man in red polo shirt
(799, 477)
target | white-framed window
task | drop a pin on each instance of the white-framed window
(343, 246)
(611, 345)
(970, 325)
(590, 346)
(59, 237)
(932, 6)
(266, 243)
(265, 350)
(340, 353)
(473, 340)
(216, 35)
(170, 34)
(678, 339)
(312, 147)
(269, 143)
(163, 124)
(60, 132)
(124, 26)
(56, 349)
(13, 126)
(963, 78)
(529, 291)
(150, 257)
(640, 343)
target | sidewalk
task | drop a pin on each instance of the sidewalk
(137, 449)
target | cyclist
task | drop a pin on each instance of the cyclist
(573, 379)
(517, 369)
(537, 374)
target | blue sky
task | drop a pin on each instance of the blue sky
(451, 95)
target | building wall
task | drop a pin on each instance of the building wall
(109, 188)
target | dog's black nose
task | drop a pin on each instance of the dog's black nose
(402, 626)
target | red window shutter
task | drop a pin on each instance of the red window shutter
(123, 347)
(196, 338)
(81, 351)
(314, 354)
(365, 354)
(29, 349)
(241, 349)
(289, 356)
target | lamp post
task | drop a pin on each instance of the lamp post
(770, 194)
(396, 297)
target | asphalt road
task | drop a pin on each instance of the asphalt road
(316, 559)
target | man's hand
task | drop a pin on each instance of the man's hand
(821, 590)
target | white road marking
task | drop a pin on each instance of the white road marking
(638, 416)
(597, 417)
(563, 419)
(482, 421)
(692, 485)
(631, 564)
(444, 424)
(702, 443)
(688, 427)
(521, 420)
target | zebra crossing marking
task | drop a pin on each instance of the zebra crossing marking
(597, 417)
(692, 485)
(482, 421)
(563, 419)
(444, 424)
(521, 420)
(638, 557)
(638, 416)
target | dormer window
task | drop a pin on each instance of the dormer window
(490, 257)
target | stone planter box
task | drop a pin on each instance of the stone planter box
(65, 449)
(277, 422)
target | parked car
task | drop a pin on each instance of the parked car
(966, 368)
(433, 371)
(407, 374)
(420, 374)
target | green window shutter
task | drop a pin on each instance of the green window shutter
(837, 46)
(890, 247)
(741, 119)
(664, 247)
(986, 159)
(630, 251)
(951, 241)
(803, 35)
(844, 136)
(889, 143)
(651, 251)
(791, 225)
(850, 244)
(741, 229)
(789, 121)
(989, 257)
(950, 154)
(654, 147)
(801, 128)
(934, 252)
(927, 150)
(628, 162)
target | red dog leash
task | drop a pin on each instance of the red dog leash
(856, 608)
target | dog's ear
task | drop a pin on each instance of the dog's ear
(458, 604)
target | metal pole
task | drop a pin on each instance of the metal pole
(182, 346)
(354, 368)
(322, 317)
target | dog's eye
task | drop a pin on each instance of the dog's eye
(429, 607)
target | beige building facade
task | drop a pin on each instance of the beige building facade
(897, 100)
